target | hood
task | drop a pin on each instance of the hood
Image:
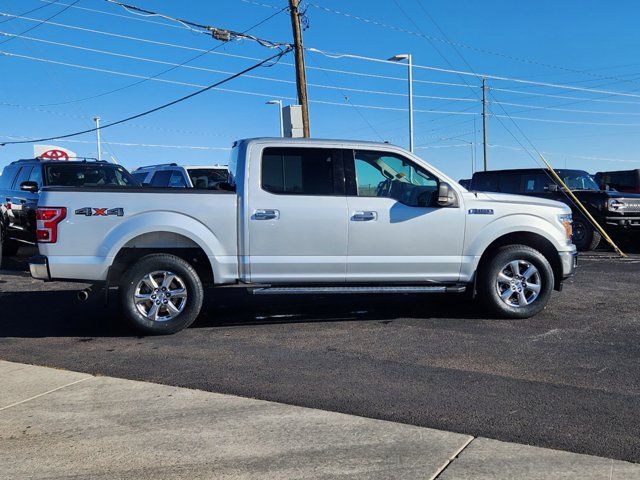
(519, 200)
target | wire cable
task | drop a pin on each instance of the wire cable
(275, 57)
(34, 10)
(174, 66)
(40, 22)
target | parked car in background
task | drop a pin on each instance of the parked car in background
(615, 211)
(465, 182)
(308, 216)
(177, 176)
(20, 185)
(627, 181)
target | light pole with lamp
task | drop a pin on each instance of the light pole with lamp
(279, 103)
(408, 58)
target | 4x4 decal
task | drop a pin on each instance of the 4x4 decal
(99, 212)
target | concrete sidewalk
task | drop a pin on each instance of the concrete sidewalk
(61, 424)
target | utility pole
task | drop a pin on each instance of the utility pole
(301, 76)
(484, 120)
(97, 120)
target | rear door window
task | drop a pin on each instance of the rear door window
(299, 171)
(23, 176)
(161, 178)
(177, 180)
(36, 175)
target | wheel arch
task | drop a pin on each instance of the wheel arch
(530, 239)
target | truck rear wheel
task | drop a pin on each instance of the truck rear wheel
(585, 237)
(516, 283)
(161, 294)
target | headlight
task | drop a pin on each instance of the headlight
(613, 205)
(565, 220)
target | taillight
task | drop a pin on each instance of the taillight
(48, 219)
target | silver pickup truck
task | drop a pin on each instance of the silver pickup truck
(306, 216)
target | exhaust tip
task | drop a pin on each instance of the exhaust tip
(83, 295)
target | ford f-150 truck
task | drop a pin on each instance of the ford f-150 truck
(306, 216)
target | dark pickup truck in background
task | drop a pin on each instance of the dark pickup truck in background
(617, 212)
(20, 185)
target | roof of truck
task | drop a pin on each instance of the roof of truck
(317, 141)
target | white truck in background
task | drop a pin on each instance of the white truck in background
(306, 216)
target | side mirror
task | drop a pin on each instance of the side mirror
(29, 186)
(446, 196)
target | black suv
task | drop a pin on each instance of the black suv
(615, 211)
(20, 184)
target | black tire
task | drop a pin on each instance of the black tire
(489, 290)
(7, 247)
(585, 236)
(185, 278)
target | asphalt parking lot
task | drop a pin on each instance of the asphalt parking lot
(568, 378)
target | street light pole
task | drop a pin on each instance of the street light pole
(279, 103)
(97, 120)
(409, 59)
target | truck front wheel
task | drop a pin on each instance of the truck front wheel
(516, 283)
(161, 294)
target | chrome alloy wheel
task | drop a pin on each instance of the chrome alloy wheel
(518, 283)
(160, 296)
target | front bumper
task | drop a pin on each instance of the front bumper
(569, 262)
(39, 267)
(623, 222)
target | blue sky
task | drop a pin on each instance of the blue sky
(587, 44)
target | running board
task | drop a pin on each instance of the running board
(369, 289)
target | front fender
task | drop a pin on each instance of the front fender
(479, 237)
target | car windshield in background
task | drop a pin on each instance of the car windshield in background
(578, 180)
(208, 177)
(87, 175)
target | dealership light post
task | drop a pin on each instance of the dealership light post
(279, 103)
(408, 58)
(97, 120)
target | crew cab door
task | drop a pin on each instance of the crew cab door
(396, 231)
(297, 215)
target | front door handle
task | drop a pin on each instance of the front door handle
(266, 214)
(364, 216)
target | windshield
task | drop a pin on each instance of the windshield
(207, 177)
(578, 180)
(87, 175)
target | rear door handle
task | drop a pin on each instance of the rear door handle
(364, 216)
(266, 214)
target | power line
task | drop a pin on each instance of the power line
(572, 110)
(40, 22)
(475, 74)
(33, 10)
(275, 57)
(353, 56)
(568, 97)
(244, 92)
(129, 144)
(462, 45)
(173, 67)
(211, 70)
(222, 34)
